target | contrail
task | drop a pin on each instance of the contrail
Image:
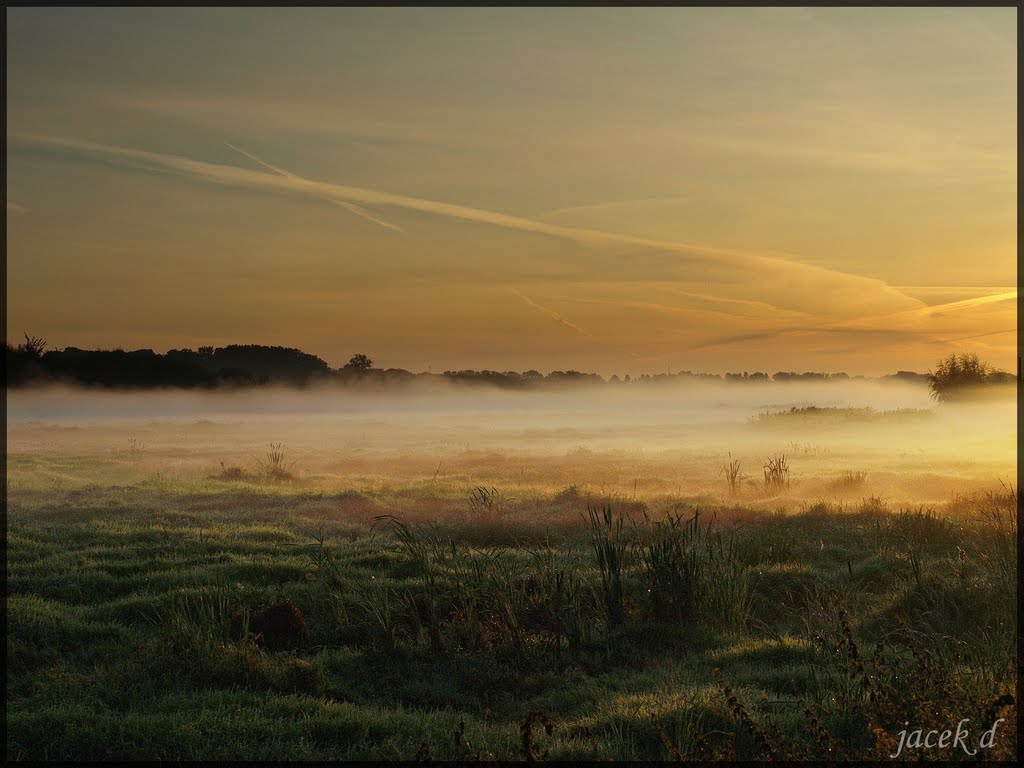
(350, 207)
(830, 326)
(560, 318)
(787, 283)
(965, 303)
(553, 315)
(240, 177)
(611, 205)
(979, 336)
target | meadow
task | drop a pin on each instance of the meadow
(795, 572)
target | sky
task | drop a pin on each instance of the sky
(617, 190)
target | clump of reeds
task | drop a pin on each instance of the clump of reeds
(999, 513)
(695, 573)
(136, 449)
(230, 474)
(849, 481)
(776, 474)
(484, 501)
(610, 546)
(732, 475)
(426, 552)
(571, 494)
(671, 564)
(275, 467)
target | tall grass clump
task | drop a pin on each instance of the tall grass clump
(776, 474)
(230, 474)
(999, 513)
(136, 449)
(275, 467)
(695, 573)
(732, 475)
(484, 501)
(568, 600)
(725, 590)
(849, 481)
(375, 603)
(426, 553)
(610, 545)
(671, 567)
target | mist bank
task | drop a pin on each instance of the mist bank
(693, 401)
(613, 440)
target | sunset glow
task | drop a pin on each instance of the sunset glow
(606, 189)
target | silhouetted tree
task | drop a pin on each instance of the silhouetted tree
(359, 364)
(272, 364)
(907, 376)
(959, 376)
(33, 346)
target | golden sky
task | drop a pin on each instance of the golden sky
(619, 190)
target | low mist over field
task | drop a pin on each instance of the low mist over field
(634, 440)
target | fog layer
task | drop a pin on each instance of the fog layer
(632, 438)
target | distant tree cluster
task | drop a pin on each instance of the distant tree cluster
(233, 365)
(965, 377)
(254, 363)
(908, 376)
(747, 377)
(665, 378)
(809, 376)
(238, 365)
(358, 364)
(23, 362)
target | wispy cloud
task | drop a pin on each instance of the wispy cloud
(612, 205)
(792, 284)
(350, 207)
(13, 209)
(966, 303)
(947, 289)
(698, 316)
(890, 322)
(759, 307)
(980, 335)
(557, 316)
(563, 320)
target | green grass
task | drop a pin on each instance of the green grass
(674, 629)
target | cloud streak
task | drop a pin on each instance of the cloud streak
(350, 207)
(557, 316)
(966, 303)
(936, 310)
(563, 320)
(613, 205)
(789, 284)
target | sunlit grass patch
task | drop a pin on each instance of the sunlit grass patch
(455, 619)
(786, 650)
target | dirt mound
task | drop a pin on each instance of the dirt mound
(277, 627)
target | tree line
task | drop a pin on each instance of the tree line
(246, 365)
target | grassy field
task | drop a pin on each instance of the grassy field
(526, 580)
(561, 626)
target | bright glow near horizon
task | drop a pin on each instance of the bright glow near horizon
(619, 190)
